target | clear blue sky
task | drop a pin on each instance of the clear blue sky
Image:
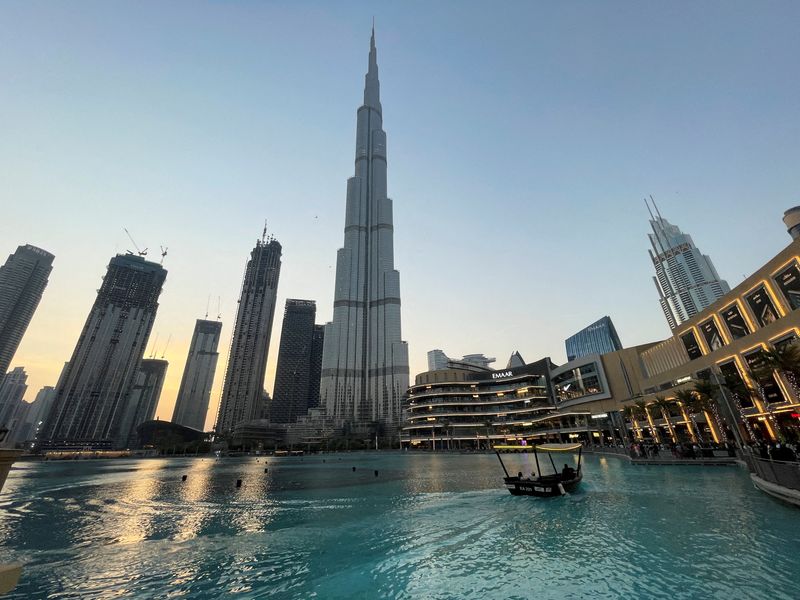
(522, 138)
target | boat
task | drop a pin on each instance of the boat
(557, 483)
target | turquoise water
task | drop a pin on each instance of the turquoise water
(429, 526)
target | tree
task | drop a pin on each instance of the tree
(686, 400)
(663, 404)
(786, 360)
(707, 394)
(633, 413)
(739, 390)
(642, 406)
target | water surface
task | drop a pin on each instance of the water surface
(428, 526)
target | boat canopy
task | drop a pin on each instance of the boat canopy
(541, 447)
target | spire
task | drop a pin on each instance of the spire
(372, 89)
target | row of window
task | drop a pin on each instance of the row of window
(761, 306)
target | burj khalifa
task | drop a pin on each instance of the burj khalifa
(365, 361)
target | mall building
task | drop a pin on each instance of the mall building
(590, 398)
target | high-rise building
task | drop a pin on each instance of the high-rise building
(194, 394)
(93, 391)
(365, 361)
(12, 389)
(143, 397)
(686, 280)
(295, 385)
(317, 346)
(243, 388)
(40, 407)
(22, 282)
(598, 338)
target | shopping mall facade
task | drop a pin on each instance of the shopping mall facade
(585, 399)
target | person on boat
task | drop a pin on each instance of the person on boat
(567, 472)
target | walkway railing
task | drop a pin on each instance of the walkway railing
(786, 474)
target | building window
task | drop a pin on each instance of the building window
(762, 307)
(766, 384)
(736, 324)
(733, 379)
(690, 343)
(788, 281)
(784, 340)
(711, 334)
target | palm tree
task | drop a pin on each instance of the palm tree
(786, 360)
(739, 390)
(707, 393)
(663, 404)
(631, 413)
(642, 406)
(686, 399)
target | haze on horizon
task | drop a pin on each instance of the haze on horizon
(521, 141)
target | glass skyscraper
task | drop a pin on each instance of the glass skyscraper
(598, 338)
(298, 372)
(686, 279)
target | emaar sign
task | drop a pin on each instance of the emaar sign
(502, 374)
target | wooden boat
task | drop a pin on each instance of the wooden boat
(557, 483)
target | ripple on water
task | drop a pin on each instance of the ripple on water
(429, 526)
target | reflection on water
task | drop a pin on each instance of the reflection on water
(428, 526)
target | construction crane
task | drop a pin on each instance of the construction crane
(166, 346)
(139, 252)
(163, 254)
(153, 348)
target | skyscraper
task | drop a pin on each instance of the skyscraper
(12, 390)
(243, 388)
(143, 397)
(295, 387)
(93, 391)
(39, 409)
(686, 280)
(191, 406)
(365, 361)
(598, 338)
(22, 282)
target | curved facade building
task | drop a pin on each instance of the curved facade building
(464, 409)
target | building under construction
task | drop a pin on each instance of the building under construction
(243, 388)
(93, 395)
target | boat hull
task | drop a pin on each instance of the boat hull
(542, 488)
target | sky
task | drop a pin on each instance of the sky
(522, 139)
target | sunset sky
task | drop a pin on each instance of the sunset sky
(522, 138)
